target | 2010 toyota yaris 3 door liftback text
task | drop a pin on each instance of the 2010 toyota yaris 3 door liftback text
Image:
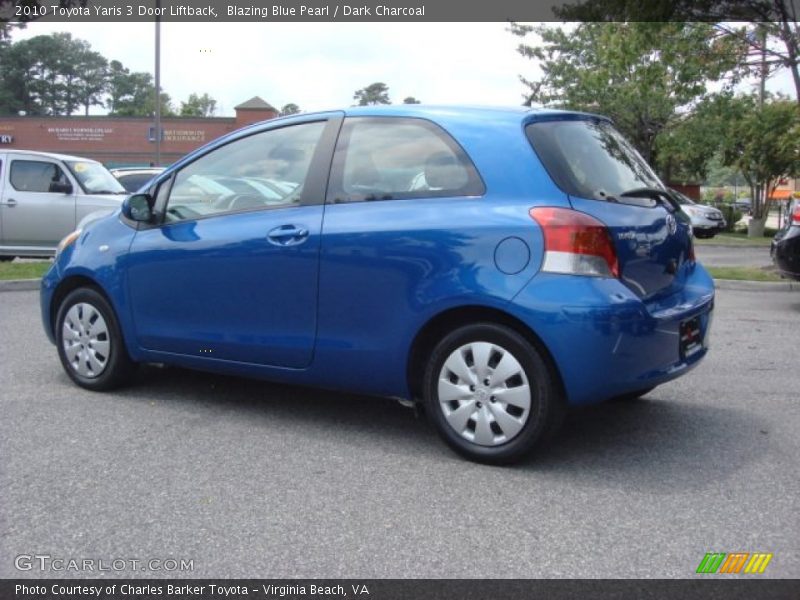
(497, 264)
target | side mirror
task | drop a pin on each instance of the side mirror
(138, 207)
(60, 187)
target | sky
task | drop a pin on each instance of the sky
(319, 66)
(316, 65)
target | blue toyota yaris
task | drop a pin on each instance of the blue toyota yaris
(497, 265)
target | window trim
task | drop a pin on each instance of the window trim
(336, 181)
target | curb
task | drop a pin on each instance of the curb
(757, 286)
(20, 285)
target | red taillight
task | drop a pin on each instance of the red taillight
(796, 215)
(575, 243)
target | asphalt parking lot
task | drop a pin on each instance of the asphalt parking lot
(252, 479)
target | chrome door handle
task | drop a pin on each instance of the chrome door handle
(287, 235)
(10, 202)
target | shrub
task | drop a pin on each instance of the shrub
(732, 216)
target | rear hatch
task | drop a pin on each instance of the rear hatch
(606, 178)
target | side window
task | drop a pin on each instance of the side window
(35, 176)
(399, 158)
(264, 170)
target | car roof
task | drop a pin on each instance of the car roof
(435, 110)
(52, 155)
(475, 113)
(130, 170)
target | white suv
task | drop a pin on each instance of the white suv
(44, 196)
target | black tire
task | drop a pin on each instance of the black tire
(118, 367)
(631, 396)
(6, 258)
(545, 413)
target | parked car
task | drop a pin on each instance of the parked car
(497, 265)
(744, 204)
(785, 248)
(44, 196)
(134, 178)
(707, 221)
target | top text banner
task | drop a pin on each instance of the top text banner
(387, 10)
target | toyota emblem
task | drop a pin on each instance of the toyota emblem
(672, 224)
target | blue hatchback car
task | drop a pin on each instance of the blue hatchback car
(496, 265)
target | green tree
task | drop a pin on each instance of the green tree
(198, 106)
(410, 100)
(686, 149)
(41, 61)
(375, 93)
(93, 82)
(768, 30)
(289, 109)
(133, 94)
(762, 141)
(645, 76)
(14, 96)
(53, 75)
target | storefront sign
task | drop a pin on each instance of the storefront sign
(80, 134)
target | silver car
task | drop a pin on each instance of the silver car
(133, 178)
(707, 221)
(44, 196)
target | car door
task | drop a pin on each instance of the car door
(231, 271)
(38, 202)
(403, 225)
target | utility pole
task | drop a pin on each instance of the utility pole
(158, 84)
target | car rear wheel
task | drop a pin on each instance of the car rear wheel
(89, 342)
(491, 394)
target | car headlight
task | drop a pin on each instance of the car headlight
(67, 241)
(690, 210)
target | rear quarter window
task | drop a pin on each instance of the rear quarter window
(389, 158)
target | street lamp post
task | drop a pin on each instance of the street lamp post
(158, 84)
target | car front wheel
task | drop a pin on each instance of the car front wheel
(89, 341)
(491, 394)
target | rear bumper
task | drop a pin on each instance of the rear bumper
(606, 341)
(708, 225)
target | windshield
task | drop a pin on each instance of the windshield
(590, 159)
(95, 178)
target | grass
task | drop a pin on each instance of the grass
(23, 270)
(744, 273)
(734, 239)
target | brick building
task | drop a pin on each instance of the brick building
(125, 141)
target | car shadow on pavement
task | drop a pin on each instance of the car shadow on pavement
(660, 442)
(305, 410)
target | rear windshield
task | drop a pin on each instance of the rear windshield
(589, 158)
